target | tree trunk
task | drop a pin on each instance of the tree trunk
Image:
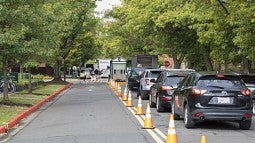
(29, 80)
(207, 58)
(5, 79)
(178, 62)
(245, 66)
(57, 70)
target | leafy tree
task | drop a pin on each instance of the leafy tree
(18, 34)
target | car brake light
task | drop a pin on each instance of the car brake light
(246, 92)
(147, 81)
(167, 88)
(220, 75)
(197, 91)
(247, 115)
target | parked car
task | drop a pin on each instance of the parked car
(105, 73)
(133, 77)
(145, 84)
(85, 73)
(249, 81)
(161, 91)
(220, 97)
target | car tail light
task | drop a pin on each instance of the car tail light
(247, 115)
(246, 92)
(198, 114)
(197, 91)
(220, 76)
(167, 88)
(147, 81)
(165, 98)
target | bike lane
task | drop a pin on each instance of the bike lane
(85, 113)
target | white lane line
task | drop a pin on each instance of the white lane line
(150, 131)
(141, 119)
(160, 133)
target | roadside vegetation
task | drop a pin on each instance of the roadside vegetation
(20, 101)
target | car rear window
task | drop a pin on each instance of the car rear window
(248, 78)
(139, 70)
(173, 80)
(225, 82)
(154, 74)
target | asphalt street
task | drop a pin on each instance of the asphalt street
(85, 113)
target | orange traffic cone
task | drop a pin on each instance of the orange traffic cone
(171, 135)
(125, 96)
(148, 123)
(139, 109)
(129, 101)
(112, 84)
(119, 92)
(116, 86)
(203, 139)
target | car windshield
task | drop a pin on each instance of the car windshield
(173, 80)
(219, 84)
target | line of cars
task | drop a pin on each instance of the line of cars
(197, 97)
(88, 73)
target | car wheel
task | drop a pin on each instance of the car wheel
(138, 93)
(159, 105)
(189, 123)
(176, 116)
(253, 108)
(144, 96)
(245, 125)
(152, 104)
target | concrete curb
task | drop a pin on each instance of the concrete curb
(22, 115)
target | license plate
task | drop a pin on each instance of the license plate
(224, 100)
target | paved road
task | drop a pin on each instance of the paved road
(90, 113)
(93, 113)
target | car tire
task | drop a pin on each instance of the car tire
(138, 93)
(144, 96)
(152, 104)
(253, 108)
(176, 116)
(245, 125)
(188, 122)
(159, 105)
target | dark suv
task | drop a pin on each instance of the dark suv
(133, 77)
(161, 91)
(219, 97)
(249, 81)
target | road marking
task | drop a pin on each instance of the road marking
(156, 134)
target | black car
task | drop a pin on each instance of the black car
(220, 97)
(161, 91)
(249, 81)
(133, 77)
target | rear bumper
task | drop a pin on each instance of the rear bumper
(166, 101)
(221, 115)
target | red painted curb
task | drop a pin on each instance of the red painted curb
(27, 112)
(2, 129)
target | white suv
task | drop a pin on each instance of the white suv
(145, 84)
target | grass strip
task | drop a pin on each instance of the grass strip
(22, 101)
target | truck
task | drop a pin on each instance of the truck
(145, 61)
(104, 64)
(104, 67)
(139, 63)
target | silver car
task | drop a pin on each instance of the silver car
(145, 82)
